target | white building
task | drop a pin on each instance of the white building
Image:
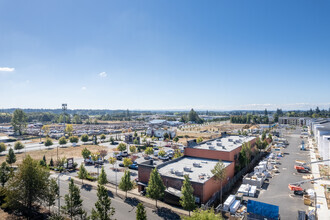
(160, 132)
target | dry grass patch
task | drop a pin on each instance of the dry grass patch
(68, 152)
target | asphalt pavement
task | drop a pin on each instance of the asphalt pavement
(124, 209)
(277, 191)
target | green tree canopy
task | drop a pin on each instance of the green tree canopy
(219, 172)
(187, 199)
(48, 142)
(149, 151)
(103, 211)
(84, 137)
(203, 215)
(126, 184)
(3, 147)
(11, 157)
(18, 145)
(62, 141)
(74, 139)
(19, 120)
(31, 180)
(85, 153)
(103, 177)
(141, 213)
(122, 147)
(51, 193)
(4, 173)
(73, 203)
(127, 162)
(156, 188)
(82, 173)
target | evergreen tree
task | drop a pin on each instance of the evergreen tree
(11, 157)
(82, 173)
(141, 212)
(126, 183)
(156, 188)
(103, 211)
(73, 202)
(4, 173)
(44, 159)
(52, 193)
(187, 199)
(3, 147)
(28, 186)
(103, 177)
(51, 162)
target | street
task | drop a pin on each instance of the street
(124, 209)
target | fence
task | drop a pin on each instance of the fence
(232, 181)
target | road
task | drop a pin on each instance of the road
(277, 192)
(124, 209)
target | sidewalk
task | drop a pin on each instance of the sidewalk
(132, 194)
(322, 208)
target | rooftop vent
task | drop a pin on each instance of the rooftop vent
(219, 144)
(179, 173)
(230, 140)
(187, 169)
(196, 164)
(208, 143)
(211, 147)
(172, 170)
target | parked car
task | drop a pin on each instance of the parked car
(118, 157)
(121, 165)
(164, 158)
(134, 166)
(124, 154)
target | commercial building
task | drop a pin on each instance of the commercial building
(299, 121)
(224, 148)
(198, 170)
(197, 162)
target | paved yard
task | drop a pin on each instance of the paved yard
(277, 192)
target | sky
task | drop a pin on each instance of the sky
(165, 54)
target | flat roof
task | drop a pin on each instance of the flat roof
(198, 169)
(226, 143)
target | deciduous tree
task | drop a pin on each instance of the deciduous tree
(219, 172)
(187, 199)
(126, 184)
(103, 177)
(11, 157)
(156, 188)
(141, 213)
(18, 121)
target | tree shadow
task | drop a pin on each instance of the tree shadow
(166, 214)
(87, 187)
(132, 201)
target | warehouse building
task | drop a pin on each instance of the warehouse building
(198, 170)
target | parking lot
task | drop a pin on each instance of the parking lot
(276, 192)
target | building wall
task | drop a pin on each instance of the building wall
(212, 186)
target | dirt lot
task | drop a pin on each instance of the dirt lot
(207, 131)
(74, 152)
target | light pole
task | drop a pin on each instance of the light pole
(116, 178)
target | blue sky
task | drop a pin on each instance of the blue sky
(165, 54)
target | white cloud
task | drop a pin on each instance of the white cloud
(84, 88)
(103, 74)
(7, 69)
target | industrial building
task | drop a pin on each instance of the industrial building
(321, 130)
(198, 170)
(197, 162)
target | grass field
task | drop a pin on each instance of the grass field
(68, 152)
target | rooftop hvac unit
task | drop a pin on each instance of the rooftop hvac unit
(196, 164)
(218, 140)
(230, 140)
(187, 169)
(211, 147)
(179, 173)
(172, 170)
(219, 144)
(208, 143)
